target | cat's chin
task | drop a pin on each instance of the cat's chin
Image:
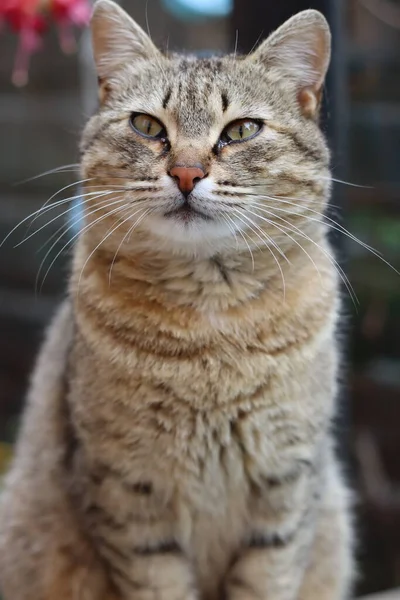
(186, 215)
(194, 233)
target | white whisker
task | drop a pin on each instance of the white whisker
(62, 169)
(100, 205)
(124, 238)
(236, 42)
(75, 183)
(329, 222)
(244, 239)
(356, 185)
(265, 236)
(289, 236)
(230, 227)
(28, 217)
(103, 239)
(60, 215)
(332, 260)
(129, 217)
(84, 230)
(41, 210)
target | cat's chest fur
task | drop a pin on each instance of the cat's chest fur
(172, 449)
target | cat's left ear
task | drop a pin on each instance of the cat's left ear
(300, 51)
(117, 40)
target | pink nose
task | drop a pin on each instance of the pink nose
(186, 177)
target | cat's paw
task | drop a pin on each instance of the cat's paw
(239, 589)
(247, 578)
(157, 577)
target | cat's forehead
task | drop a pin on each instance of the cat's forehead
(197, 93)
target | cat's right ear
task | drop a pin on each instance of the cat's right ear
(117, 40)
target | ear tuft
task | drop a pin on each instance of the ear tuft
(300, 51)
(117, 39)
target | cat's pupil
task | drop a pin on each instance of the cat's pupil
(147, 126)
(241, 130)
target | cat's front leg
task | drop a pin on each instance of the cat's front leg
(135, 529)
(331, 569)
(158, 576)
(274, 556)
(308, 554)
(269, 571)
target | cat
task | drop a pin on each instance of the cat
(177, 440)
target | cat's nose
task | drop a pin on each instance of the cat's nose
(186, 177)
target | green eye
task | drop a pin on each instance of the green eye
(240, 130)
(147, 126)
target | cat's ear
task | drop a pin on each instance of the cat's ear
(117, 40)
(300, 50)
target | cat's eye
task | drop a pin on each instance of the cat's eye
(240, 130)
(148, 126)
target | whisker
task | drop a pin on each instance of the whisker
(267, 246)
(266, 236)
(335, 226)
(61, 169)
(100, 205)
(140, 185)
(229, 225)
(333, 261)
(244, 239)
(242, 191)
(29, 216)
(323, 178)
(128, 233)
(303, 213)
(289, 236)
(140, 219)
(36, 212)
(254, 46)
(47, 206)
(75, 183)
(107, 236)
(336, 265)
(108, 233)
(147, 18)
(236, 42)
(81, 196)
(84, 230)
(356, 185)
(60, 215)
(64, 229)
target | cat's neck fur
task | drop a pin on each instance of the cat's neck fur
(221, 283)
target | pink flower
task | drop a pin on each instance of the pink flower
(24, 19)
(68, 13)
(30, 18)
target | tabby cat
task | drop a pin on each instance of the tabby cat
(177, 440)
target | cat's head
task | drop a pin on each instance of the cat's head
(202, 155)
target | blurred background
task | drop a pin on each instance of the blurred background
(40, 125)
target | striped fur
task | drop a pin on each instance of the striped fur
(177, 439)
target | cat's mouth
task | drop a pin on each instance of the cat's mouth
(186, 213)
